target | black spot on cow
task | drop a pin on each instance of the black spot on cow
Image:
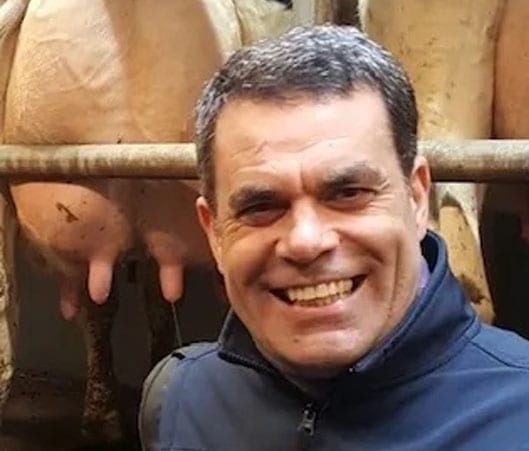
(70, 217)
(287, 3)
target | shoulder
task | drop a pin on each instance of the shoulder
(502, 347)
(156, 387)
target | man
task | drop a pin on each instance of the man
(347, 329)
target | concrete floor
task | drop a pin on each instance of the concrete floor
(44, 414)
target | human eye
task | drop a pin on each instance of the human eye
(261, 213)
(348, 192)
(350, 196)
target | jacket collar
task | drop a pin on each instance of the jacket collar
(436, 326)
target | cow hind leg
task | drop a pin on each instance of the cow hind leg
(458, 226)
(8, 306)
(101, 420)
(162, 330)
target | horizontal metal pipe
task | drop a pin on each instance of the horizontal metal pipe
(99, 161)
(455, 161)
(505, 161)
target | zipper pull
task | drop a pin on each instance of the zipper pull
(306, 427)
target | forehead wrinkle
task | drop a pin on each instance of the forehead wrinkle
(292, 145)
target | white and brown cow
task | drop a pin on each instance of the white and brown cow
(449, 49)
(468, 61)
(108, 71)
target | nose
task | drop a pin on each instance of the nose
(307, 236)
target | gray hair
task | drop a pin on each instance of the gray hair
(319, 61)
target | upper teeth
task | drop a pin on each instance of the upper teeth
(321, 290)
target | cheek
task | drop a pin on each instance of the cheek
(390, 248)
(379, 236)
(245, 257)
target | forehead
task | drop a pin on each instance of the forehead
(255, 138)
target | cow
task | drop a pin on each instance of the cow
(106, 72)
(466, 60)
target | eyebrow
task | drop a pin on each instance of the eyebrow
(360, 173)
(333, 179)
(251, 195)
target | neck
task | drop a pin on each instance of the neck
(316, 385)
(314, 388)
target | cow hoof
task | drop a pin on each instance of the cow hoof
(105, 430)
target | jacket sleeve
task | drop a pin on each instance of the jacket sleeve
(154, 389)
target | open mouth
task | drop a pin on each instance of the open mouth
(321, 294)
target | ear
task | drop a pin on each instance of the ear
(207, 220)
(420, 183)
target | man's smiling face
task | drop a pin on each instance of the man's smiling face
(316, 229)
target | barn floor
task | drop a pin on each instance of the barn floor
(43, 414)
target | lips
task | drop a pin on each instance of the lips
(320, 294)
